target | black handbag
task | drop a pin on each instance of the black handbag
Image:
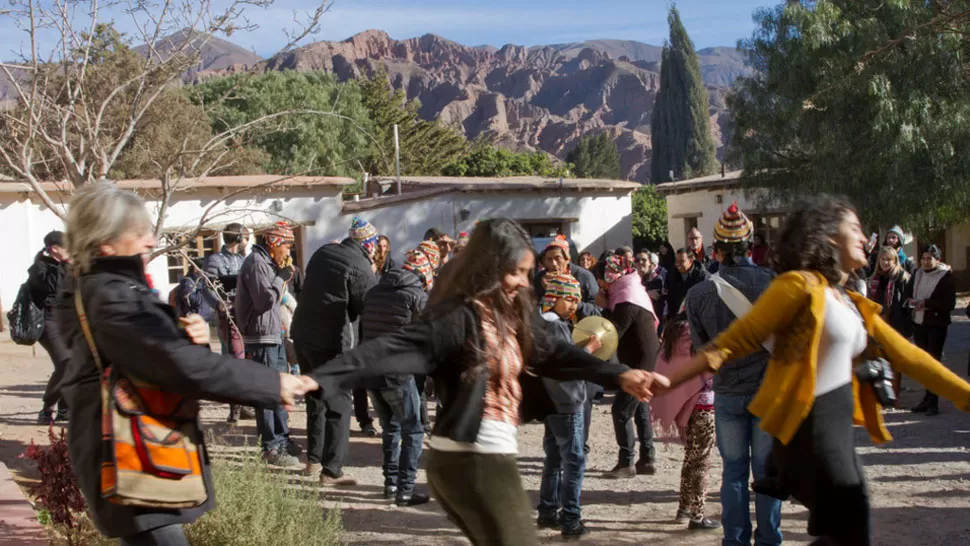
(25, 318)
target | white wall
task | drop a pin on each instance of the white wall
(23, 225)
(703, 202)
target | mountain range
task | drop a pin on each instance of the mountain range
(522, 98)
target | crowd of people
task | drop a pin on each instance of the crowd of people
(714, 348)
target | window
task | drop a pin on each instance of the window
(203, 245)
(768, 226)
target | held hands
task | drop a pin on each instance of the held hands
(196, 328)
(601, 300)
(638, 383)
(292, 386)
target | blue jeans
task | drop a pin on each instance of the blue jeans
(562, 472)
(271, 423)
(744, 449)
(398, 410)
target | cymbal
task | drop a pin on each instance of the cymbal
(597, 326)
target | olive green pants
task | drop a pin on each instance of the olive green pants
(483, 495)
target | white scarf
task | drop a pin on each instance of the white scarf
(924, 286)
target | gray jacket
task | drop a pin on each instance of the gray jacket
(259, 293)
(709, 316)
(223, 263)
(568, 396)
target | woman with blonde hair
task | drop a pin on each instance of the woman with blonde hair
(887, 287)
(121, 335)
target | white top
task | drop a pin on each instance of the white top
(494, 437)
(843, 339)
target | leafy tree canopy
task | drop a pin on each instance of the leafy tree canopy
(596, 157)
(649, 217)
(865, 98)
(488, 160)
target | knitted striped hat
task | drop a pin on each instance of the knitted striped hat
(421, 264)
(559, 286)
(561, 243)
(430, 249)
(280, 234)
(733, 226)
(364, 233)
(617, 266)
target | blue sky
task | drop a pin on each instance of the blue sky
(495, 22)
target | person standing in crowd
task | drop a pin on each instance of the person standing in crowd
(688, 274)
(460, 244)
(109, 234)
(484, 297)
(224, 267)
(44, 278)
(382, 257)
(932, 296)
(626, 252)
(810, 397)
(191, 295)
(259, 295)
(338, 277)
(667, 257)
(695, 243)
(398, 300)
(587, 261)
(424, 384)
(563, 440)
(555, 259)
(443, 240)
(894, 239)
(759, 251)
(743, 445)
(887, 287)
(689, 409)
(653, 282)
(626, 304)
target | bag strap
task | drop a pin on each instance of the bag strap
(85, 326)
(738, 303)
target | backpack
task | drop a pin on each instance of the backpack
(26, 318)
(190, 297)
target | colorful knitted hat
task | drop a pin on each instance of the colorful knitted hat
(617, 265)
(559, 286)
(430, 249)
(561, 243)
(280, 234)
(364, 233)
(421, 264)
(733, 226)
(463, 238)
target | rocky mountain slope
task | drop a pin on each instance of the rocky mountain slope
(539, 98)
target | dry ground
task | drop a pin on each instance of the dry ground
(920, 483)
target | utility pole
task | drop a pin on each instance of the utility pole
(397, 159)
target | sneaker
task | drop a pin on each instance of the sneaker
(703, 524)
(368, 430)
(340, 481)
(281, 459)
(293, 448)
(390, 491)
(313, 469)
(45, 417)
(548, 522)
(621, 473)
(645, 468)
(61, 416)
(682, 516)
(576, 532)
(412, 499)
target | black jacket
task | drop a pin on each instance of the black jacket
(140, 337)
(443, 345)
(43, 278)
(337, 278)
(639, 344)
(678, 286)
(566, 396)
(940, 304)
(896, 313)
(397, 300)
(657, 284)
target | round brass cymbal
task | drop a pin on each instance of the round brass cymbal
(597, 326)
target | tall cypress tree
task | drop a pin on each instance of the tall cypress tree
(681, 124)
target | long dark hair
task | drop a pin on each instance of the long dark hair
(673, 331)
(806, 238)
(494, 249)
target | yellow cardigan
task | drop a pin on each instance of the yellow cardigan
(793, 310)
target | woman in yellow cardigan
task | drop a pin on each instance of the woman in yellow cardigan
(810, 397)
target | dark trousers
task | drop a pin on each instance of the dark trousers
(627, 412)
(592, 391)
(272, 424)
(53, 343)
(361, 410)
(401, 433)
(327, 417)
(421, 381)
(482, 493)
(931, 339)
(231, 344)
(563, 469)
(170, 535)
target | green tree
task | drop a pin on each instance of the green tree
(681, 124)
(649, 216)
(426, 146)
(488, 160)
(324, 128)
(866, 98)
(596, 157)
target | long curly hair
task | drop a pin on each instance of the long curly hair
(806, 238)
(494, 249)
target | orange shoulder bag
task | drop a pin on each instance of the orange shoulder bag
(149, 439)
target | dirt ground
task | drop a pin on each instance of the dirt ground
(920, 483)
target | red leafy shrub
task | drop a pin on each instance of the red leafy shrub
(57, 491)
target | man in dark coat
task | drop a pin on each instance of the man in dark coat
(44, 278)
(398, 300)
(687, 273)
(555, 259)
(338, 277)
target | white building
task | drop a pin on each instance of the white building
(699, 202)
(595, 214)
